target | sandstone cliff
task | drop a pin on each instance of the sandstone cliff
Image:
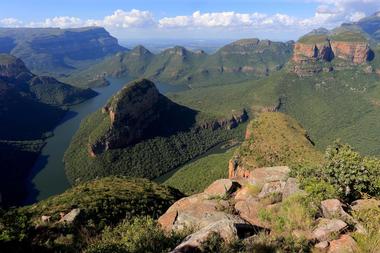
(317, 53)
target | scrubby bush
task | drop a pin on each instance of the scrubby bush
(353, 174)
(139, 235)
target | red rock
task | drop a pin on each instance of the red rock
(332, 208)
(345, 244)
(221, 187)
(355, 52)
(249, 211)
(167, 220)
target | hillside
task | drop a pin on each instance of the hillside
(274, 139)
(54, 51)
(148, 139)
(30, 107)
(88, 207)
(238, 61)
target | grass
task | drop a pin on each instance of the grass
(198, 175)
(277, 139)
(102, 202)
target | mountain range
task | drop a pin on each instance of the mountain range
(238, 61)
(270, 189)
(58, 52)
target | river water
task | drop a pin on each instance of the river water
(48, 175)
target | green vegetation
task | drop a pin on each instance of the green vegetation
(354, 175)
(179, 66)
(348, 36)
(141, 234)
(275, 139)
(196, 176)
(149, 158)
(313, 39)
(58, 52)
(103, 202)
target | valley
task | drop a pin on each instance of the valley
(257, 146)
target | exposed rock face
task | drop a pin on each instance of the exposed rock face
(304, 53)
(237, 117)
(54, 50)
(136, 112)
(355, 52)
(307, 54)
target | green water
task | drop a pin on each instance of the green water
(48, 175)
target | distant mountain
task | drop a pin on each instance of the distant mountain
(371, 25)
(56, 51)
(144, 134)
(238, 61)
(30, 106)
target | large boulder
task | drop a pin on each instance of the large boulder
(345, 244)
(221, 188)
(332, 208)
(228, 229)
(191, 211)
(249, 210)
(326, 228)
(272, 188)
(70, 217)
(269, 174)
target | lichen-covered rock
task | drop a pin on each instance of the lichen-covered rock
(328, 227)
(272, 188)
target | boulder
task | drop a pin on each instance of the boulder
(221, 187)
(227, 228)
(194, 211)
(345, 244)
(249, 210)
(332, 208)
(321, 246)
(272, 188)
(291, 187)
(363, 204)
(261, 176)
(70, 217)
(244, 193)
(326, 228)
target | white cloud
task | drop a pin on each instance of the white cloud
(124, 19)
(10, 22)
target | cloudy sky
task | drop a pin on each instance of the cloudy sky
(196, 19)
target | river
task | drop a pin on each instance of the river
(48, 175)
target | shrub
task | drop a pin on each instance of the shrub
(353, 174)
(141, 234)
(370, 219)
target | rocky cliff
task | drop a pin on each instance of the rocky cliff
(58, 51)
(315, 53)
(136, 112)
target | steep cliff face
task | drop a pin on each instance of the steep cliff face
(355, 52)
(57, 51)
(136, 112)
(313, 53)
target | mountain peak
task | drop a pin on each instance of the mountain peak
(11, 66)
(140, 50)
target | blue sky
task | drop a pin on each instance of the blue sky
(273, 19)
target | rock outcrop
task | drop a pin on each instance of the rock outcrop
(137, 112)
(313, 53)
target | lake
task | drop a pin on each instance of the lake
(48, 175)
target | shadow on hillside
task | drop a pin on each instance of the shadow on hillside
(32, 191)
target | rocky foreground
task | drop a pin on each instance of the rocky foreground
(235, 209)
